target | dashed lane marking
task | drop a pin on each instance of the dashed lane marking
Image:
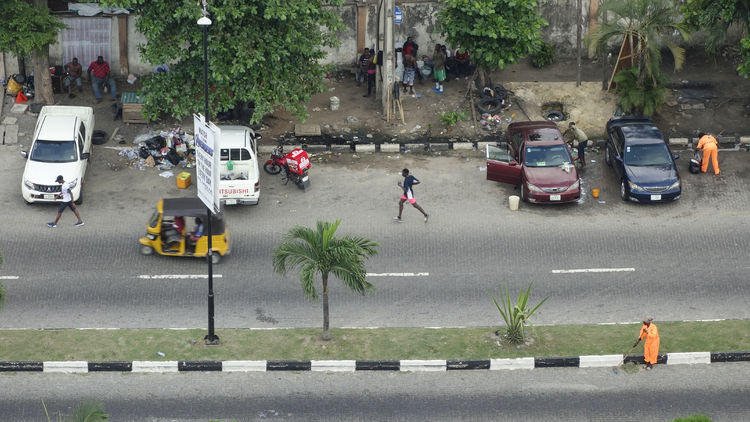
(9, 277)
(593, 270)
(397, 274)
(175, 276)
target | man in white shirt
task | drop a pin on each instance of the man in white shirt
(67, 197)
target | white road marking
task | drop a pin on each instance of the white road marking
(593, 270)
(175, 276)
(397, 274)
(9, 277)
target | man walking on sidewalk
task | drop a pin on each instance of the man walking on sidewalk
(67, 196)
(408, 195)
(651, 345)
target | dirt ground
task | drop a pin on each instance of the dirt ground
(704, 95)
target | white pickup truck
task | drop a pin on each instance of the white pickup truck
(61, 146)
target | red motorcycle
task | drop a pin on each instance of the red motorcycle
(292, 166)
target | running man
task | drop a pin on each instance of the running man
(408, 195)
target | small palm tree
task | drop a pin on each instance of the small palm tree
(89, 410)
(320, 252)
(515, 315)
(646, 25)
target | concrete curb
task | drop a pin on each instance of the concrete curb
(411, 365)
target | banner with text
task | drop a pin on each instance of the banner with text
(207, 162)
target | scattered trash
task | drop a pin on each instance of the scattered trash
(160, 354)
(166, 174)
(484, 168)
(602, 202)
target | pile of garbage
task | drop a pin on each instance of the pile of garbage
(493, 122)
(162, 151)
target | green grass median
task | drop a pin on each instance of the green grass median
(362, 344)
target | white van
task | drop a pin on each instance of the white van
(239, 178)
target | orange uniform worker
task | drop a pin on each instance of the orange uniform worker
(710, 147)
(651, 345)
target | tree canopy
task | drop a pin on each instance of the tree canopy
(716, 17)
(497, 33)
(264, 51)
(26, 28)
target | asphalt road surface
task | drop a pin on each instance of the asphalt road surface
(559, 394)
(599, 261)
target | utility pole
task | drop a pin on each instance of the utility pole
(387, 67)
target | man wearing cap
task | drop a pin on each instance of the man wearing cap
(651, 345)
(67, 196)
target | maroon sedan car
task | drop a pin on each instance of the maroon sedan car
(537, 158)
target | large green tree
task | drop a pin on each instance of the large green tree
(266, 51)
(28, 28)
(319, 251)
(648, 26)
(716, 17)
(496, 32)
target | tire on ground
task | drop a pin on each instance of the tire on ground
(489, 105)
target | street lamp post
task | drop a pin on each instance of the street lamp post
(210, 338)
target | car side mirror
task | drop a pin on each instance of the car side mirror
(24, 154)
(85, 156)
(513, 163)
(258, 137)
(675, 156)
(618, 159)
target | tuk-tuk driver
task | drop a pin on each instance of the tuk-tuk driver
(194, 236)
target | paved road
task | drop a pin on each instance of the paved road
(594, 394)
(89, 276)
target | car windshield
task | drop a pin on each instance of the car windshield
(544, 135)
(53, 151)
(546, 156)
(647, 155)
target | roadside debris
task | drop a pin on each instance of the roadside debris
(163, 151)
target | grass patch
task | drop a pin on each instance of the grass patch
(363, 344)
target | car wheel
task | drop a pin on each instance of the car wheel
(607, 156)
(523, 194)
(215, 257)
(623, 192)
(271, 168)
(79, 201)
(147, 250)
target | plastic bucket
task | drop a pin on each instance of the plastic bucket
(334, 103)
(595, 193)
(513, 201)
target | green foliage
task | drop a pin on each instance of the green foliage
(320, 252)
(496, 32)
(266, 51)
(716, 17)
(543, 56)
(516, 315)
(89, 410)
(694, 418)
(639, 96)
(26, 28)
(451, 118)
(650, 23)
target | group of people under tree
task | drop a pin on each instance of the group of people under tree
(407, 67)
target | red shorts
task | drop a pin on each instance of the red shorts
(410, 199)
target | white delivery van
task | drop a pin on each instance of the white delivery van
(239, 178)
(61, 146)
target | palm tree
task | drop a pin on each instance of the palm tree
(320, 252)
(646, 25)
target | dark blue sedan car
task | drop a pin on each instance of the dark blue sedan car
(642, 160)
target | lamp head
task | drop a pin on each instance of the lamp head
(204, 21)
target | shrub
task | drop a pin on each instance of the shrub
(543, 56)
(451, 118)
(516, 316)
(640, 96)
(694, 418)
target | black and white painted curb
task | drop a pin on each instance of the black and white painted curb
(594, 361)
(726, 143)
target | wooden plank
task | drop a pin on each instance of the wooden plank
(122, 32)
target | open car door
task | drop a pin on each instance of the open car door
(501, 166)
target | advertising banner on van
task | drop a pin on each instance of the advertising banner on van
(207, 162)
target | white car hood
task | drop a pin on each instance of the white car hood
(46, 173)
